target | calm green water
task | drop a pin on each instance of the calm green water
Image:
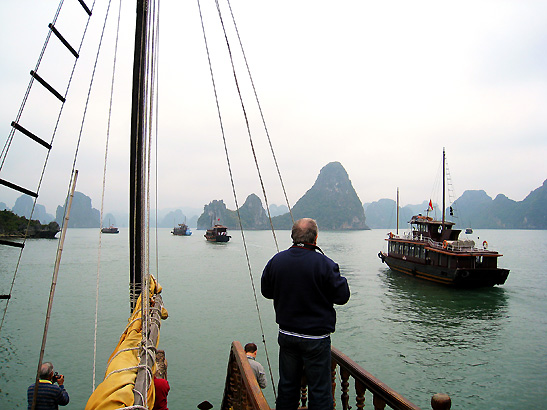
(486, 348)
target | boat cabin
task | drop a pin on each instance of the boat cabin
(426, 227)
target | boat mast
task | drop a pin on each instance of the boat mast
(136, 171)
(444, 171)
(397, 210)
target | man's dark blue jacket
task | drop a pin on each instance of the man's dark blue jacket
(304, 285)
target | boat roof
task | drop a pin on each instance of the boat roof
(427, 220)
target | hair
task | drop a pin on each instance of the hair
(250, 348)
(304, 231)
(45, 370)
(161, 365)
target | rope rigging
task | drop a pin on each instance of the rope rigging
(103, 189)
(9, 140)
(151, 105)
(249, 133)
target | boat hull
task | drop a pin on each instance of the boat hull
(457, 277)
(110, 230)
(217, 238)
(180, 233)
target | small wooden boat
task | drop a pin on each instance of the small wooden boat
(433, 251)
(110, 229)
(181, 230)
(218, 233)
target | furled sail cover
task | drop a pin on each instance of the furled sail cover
(116, 390)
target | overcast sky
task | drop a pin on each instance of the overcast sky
(380, 87)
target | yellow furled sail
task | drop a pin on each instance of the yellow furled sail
(116, 390)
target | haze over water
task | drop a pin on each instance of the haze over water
(485, 347)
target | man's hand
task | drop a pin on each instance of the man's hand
(61, 380)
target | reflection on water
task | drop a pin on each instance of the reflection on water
(443, 316)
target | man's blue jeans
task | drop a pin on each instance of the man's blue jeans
(312, 356)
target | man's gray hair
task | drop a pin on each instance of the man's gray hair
(45, 370)
(304, 231)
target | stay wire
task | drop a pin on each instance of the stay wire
(237, 207)
(263, 121)
(104, 188)
(54, 133)
(9, 140)
(246, 122)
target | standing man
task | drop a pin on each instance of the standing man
(304, 284)
(48, 396)
(258, 369)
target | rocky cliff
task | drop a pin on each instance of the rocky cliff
(331, 201)
(82, 214)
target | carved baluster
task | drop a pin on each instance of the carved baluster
(344, 386)
(360, 390)
(303, 390)
(245, 404)
(232, 381)
(441, 401)
(237, 387)
(378, 402)
(333, 378)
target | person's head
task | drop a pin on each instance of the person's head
(304, 231)
(250, 348)
(46, 371)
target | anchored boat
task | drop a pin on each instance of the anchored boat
(110, 229)
(433, 251)
(218, 233)
(181, 230)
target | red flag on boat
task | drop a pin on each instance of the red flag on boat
(430, 206)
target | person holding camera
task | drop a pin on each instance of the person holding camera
(48, 396)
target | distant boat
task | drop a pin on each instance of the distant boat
(433, 251)
(218, 233)
(181, 230)
(110, 229)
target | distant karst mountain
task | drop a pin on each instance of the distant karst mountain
(82, 215)
(474, 209)
(383, 213)
(331, 201)
(23, 207)
(253, 215)
(276, 210)
(478, 210)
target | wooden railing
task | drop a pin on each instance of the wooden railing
(382, 395)
(242, 391)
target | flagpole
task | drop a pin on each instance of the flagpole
(397, 210)
(443, 187)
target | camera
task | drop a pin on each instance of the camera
(55, 377)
